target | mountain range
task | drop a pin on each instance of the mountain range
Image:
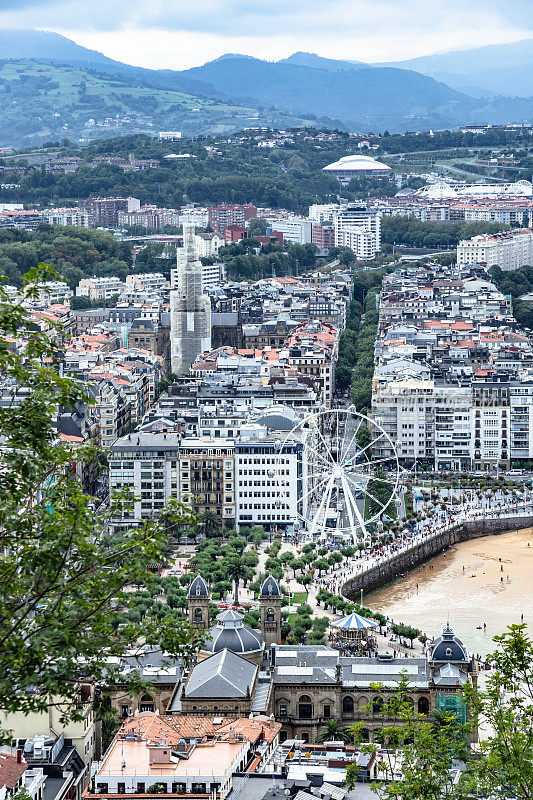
(50, 86)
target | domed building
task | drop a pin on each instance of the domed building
(230, 633)
(448, 649)
(356, 166)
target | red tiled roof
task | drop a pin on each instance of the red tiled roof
(11, 770)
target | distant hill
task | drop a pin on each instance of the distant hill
(500, 68)
(65, 90)
(301, 59)
(42, 102)
(375, 98)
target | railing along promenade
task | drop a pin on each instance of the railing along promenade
(429, 540)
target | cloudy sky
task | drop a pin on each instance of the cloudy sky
(184, 33)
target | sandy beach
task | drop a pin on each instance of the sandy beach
(465, 585)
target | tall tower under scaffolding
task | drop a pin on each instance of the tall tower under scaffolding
(190, 318)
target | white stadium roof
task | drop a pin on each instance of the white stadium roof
(443, 191)
(355, 163)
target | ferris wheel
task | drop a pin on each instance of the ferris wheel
(349, 475)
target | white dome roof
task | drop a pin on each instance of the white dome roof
(355, 163)
(437, 191)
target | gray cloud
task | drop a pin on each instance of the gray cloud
(262, 18)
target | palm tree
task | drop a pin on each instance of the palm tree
(235, 570)
(332, 732)
(210, 524)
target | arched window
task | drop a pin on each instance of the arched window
(377, 705)
(305, 707)
(347, 704)
(423, 706)
(198, 617)
(270, 615)
(147, 703)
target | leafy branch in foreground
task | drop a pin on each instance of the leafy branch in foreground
(62, 573)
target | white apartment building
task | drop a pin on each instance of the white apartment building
(212, 275)
(270, 476)
(99, 288)
(505, 215)
(66, 216)
(194, 216)
(294, 229)
(521, 419)
(148, 465)
(147, 282)
(359, 229)
(55, 291)
(208, 244)
(169, 136)
(505, 250)
(319, 213)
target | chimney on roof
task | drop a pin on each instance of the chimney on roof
(19, 756)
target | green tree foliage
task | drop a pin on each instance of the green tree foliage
(361, 392)
(75, 253)
(516, 283)
(415, 233)
(62, 574)
(379, 493)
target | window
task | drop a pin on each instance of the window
(377, 705)
(147, 703)
(423, 706)
(124, 711)
(121, 788)
(347, 705)
(327, 712)
(305, 707)
(283, 710)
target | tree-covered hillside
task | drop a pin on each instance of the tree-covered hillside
(41, 101)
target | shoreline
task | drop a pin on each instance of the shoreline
(464, 583)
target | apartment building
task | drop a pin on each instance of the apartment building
(147, 464)
(147, 282)
(66, 216)
(55, 292)
(99, 288)
(293, 228)
(111, 409)
(270, 479)
(208, 244)
(358, 228)
(224, 214)
(505, 250)
(453, 374)
(103, 211)
(207, 477)
(24, 220)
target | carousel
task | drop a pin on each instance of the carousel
(352, 632)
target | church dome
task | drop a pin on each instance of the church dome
(270, 588)
(230, 633)
(448, 648)
(198, 588)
